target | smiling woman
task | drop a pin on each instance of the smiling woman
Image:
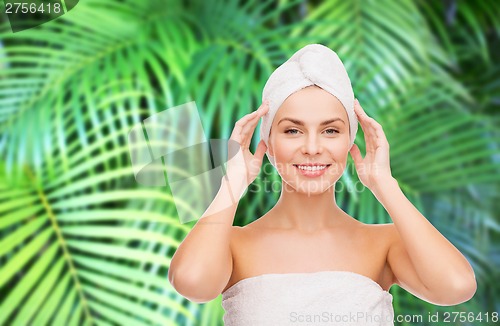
(306, 256)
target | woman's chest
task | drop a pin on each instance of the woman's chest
(260, 252)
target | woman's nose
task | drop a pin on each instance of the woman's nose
(312, 145)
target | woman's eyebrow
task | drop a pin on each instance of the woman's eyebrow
(301, 123)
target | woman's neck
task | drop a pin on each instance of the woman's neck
(306, 213)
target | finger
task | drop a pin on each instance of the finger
(360, 111)
(240, 124)
(369, 148)
(361, 115)
(377, 135)
(249, 128)
(374, 136)
(356, 154)
(366, 126)
(381, 138)
(248, 131)
(367, 121)
(260, 151)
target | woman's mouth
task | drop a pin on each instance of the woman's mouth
(312, 170)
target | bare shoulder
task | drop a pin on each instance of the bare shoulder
(387, 232)
(385, 229)
(375, 231)
(383, 233)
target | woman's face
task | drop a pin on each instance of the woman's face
(311, 126)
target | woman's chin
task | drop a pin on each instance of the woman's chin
(310, 187)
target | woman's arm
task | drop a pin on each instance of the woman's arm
(422, 260)
(202, 265)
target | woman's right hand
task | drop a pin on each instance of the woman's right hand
(243, 166)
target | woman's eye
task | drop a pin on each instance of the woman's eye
(290, 131)
(334, 131)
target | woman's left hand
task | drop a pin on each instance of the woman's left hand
(374, 169)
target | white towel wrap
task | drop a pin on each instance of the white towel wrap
(319, 298)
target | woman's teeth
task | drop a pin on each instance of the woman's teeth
(312, 168)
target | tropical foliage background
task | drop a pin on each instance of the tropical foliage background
(81, 242)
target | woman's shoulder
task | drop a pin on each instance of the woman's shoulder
(383, 230)
(382, 234)
(239, 232)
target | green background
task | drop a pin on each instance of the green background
(82, 243)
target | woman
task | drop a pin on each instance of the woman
(306, 260)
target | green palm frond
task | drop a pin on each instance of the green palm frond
(68, 231)
(68, 235)
(78, 246)
(98, 50)
(463, 28)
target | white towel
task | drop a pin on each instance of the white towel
(314, 64)
(319, 298)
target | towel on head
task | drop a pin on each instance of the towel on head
(314, 64)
